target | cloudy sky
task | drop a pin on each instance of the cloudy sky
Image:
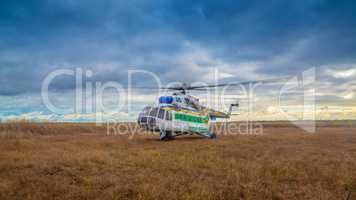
(176, 40)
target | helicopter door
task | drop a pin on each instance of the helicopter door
(152, 117)
(161, 114)
(164, 120)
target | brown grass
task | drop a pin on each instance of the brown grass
(79, 161)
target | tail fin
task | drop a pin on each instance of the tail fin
(231, 106)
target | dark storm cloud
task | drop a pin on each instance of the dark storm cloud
(111, 37)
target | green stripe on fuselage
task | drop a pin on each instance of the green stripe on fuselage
(199, 128)
(191, 118)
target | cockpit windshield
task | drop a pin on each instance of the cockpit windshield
(156, 113)
(153, 112)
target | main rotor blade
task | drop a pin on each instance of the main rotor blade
(185, 87)
(150, 88)
(274, 80)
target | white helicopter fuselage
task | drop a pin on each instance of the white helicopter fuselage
(178, 115)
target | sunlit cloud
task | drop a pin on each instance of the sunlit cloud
(342, 73)
(348, 95)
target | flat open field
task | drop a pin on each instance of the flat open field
(80, 161)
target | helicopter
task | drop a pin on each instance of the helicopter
(182, 114)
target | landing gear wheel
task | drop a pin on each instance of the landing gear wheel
(166, 135)
(163, 135)
(212, 135)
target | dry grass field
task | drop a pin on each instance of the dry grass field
(80, 161)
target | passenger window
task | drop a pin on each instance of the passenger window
(168, 115)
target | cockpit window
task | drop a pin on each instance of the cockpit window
(157, 112)
(154, 112)
(146, 110)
